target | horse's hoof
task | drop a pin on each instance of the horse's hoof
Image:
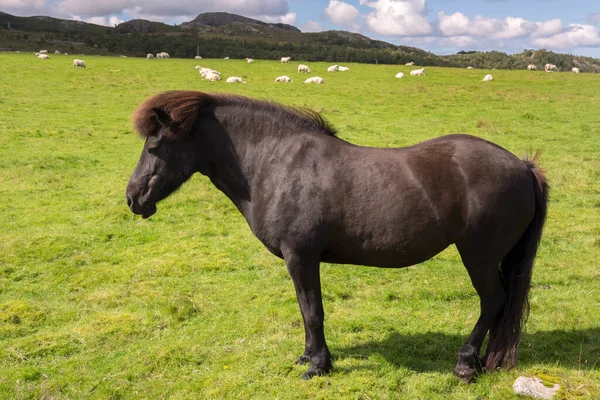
(312, 371)
(303, 359)
(465, 374)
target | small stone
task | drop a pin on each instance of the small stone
(534, 387)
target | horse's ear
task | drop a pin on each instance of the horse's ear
(162, 116)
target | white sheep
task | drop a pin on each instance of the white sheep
(249, 60)
(400, 75)
(198, 58)
(531, 67)
(315, 79)
(43, 51)
(418, 72)
(43, 56)
(235, 79)
(550, 68)
(488, 78)
(159, 55)
(343, 69)
(78, 63)
(203, 71)
(285, 60)
(333, 68)
(149, 56)
(303, 68)
(469, 67)
(575, 70)
(165, 55)
(410, 63)
(226, 58)
(283, 78)
(57, 52)
(213, 77)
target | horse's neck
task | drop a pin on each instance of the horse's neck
(244, 149)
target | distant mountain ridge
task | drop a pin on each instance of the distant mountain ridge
(220, 34)
(223, 18)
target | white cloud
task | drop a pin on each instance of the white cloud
(165, 9)
(105, 21)
(112, 21)
(289, 18)
(458, 42)
(508, 28)
(398, 17)
(576, 35)
(343, 14)
(312, 26)
(548, 28)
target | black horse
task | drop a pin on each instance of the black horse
(309, 196)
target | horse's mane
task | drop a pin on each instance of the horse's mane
(184, 107)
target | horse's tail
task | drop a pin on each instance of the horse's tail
(516, 269)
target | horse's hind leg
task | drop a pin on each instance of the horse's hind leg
(304, 271)
(485, 276)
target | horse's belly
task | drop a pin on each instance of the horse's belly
(398, 256)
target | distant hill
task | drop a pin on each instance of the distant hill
(219, 34)
(217, 19)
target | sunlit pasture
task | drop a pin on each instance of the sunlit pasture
(97, 303)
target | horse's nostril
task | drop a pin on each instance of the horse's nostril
(129, 201)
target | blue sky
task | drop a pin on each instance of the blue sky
(440, 26)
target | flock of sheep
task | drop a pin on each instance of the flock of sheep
(213, 75)
(550, 68)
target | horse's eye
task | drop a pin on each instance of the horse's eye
(153, 150)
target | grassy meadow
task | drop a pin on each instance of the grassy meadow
(97, 303)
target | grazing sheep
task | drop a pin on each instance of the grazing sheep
(550, 68)
(249, 60)
(315, 79)
(284, 79)
(487, 78)
(234, 79)
(400, 75)
(410, 63)
(213, 77)
(418, 72)
(43, 56)
(78, 63)
(575, 70)
(531, 67)
(285, 60)
(303, 68)
(165, 55)
(159, 55)
(343, 69)
(469, 67)
(333, 68)
(57, 52)
(43, 51)
(198, 58)
(149, 56)
(226, 58)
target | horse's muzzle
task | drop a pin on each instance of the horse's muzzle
(145, 210)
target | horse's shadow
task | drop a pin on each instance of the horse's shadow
(438, 352)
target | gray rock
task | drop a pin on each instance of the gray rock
(534, 387)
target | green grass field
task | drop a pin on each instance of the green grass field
(97, 303)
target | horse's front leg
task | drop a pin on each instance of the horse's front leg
(304, 271)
